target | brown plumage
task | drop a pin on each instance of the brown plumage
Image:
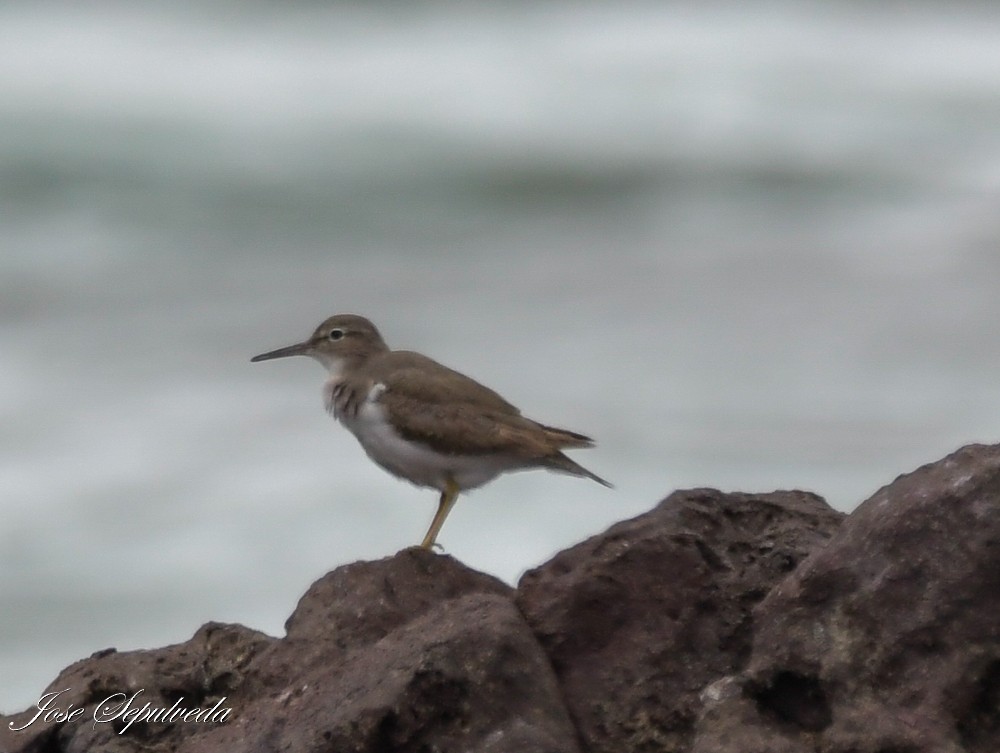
(424, 421)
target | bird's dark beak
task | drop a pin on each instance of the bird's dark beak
(299, 349)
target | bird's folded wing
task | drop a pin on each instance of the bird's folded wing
(464, 429)
(424, 379)
(469, 421)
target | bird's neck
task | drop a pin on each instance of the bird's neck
(339, 366)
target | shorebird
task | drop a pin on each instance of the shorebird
(424, 422)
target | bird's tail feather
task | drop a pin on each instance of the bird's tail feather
(560, 462)
(567, 439)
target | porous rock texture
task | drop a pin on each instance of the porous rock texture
(637, 621)
(411, 653)
(887, 639)
(714, 623)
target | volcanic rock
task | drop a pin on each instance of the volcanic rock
(887, 639)
(639, 619)
(412, 653)
(715, 623)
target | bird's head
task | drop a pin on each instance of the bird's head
(341, 340)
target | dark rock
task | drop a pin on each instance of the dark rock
(412, 653)
(361, 603)
(201, 671)
(638, 620)
(460, 677)
(886, 639)
(715, 623)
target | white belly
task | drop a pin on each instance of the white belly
(415, 462)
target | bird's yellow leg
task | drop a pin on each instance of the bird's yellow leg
(447, 501)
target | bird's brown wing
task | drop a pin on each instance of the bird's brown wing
(466, 429)
(424, 379)
(455, 415)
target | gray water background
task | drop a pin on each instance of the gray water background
(744, 245)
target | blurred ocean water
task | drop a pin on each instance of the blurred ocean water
(749, 246)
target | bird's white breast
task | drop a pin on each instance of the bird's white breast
(410, 460)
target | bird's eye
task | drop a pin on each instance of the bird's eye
(336, 334)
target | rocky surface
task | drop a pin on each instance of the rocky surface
(715, 623)
(637, 621)
(887, 639)
(411, 653)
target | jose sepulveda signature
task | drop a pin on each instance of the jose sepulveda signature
(124, 708)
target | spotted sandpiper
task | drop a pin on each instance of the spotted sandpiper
(424, 422)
